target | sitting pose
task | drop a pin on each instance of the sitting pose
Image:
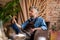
(33, 23)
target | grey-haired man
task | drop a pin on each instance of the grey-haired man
(39, 22)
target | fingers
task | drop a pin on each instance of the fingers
(13, 19)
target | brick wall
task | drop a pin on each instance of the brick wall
(53, 12)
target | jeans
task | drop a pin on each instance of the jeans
(14, 26)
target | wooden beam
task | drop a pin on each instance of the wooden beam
(34, 2)
(27, 7)
(24, 9)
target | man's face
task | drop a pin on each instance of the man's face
(32, 13)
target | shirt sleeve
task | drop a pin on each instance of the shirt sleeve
(25, 23)
(43, 25)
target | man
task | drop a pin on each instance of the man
(39, 22)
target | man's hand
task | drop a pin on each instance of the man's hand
(37, 28)
(14, 19)
(32, 30)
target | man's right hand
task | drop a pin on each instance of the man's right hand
(13, 20)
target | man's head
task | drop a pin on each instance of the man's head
(33, 11)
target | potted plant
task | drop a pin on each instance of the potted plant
(53, 28)
(7, 11)
(53, 32)
(11, 8)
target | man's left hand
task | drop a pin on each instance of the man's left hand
(35, 29)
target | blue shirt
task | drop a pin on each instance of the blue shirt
(40, 22)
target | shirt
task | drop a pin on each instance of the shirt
(40, 22)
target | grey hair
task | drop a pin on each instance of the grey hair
(33, 7)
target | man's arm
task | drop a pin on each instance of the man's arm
(23, 25)
(43, 25)
(18, 25)
(14, 21)
(40, 24)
